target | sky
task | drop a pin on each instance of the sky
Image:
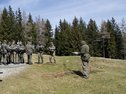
(54, 10)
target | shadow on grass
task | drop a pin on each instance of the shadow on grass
(76, 72)
(38, 63)
(79, 73)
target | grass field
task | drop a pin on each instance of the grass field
(106, 77)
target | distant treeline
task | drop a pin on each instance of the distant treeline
(108, 40)
(16, 25)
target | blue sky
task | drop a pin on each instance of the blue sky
(54, 10)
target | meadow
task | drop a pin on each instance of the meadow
(107, 76)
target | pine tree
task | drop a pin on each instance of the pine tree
(4, 25)
(57, 40)
(30, 30)
(12, 33)
(66, 33)
(48, 29)
(19, 26)
(76, 34)
(63, 38)
(111, 47)
(82, 28)
(91, 38)
(123, 31)
(118, 40)
(119, 44)
(104, 39)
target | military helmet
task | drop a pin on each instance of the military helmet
(13, 42)
(4, 41)
(51, 43)
(20, 43)
(39, 42)
(83, 42)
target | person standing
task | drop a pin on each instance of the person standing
(21, 51)
(40, 51)
(13, 52)
(1, 52)
(85, 56)
(52, 52)
(9, 53)
(29, 50)
(4, 53)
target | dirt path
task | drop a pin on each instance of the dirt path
(11, 69)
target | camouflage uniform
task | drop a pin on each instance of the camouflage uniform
(29, 50)
(17, 46)
(52, 52)
(85, 58)
(21, 51)
(4, 53)
(40, 50)
(0, 53)
(8, 53)
(13, 52)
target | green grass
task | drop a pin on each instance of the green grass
(106, 77)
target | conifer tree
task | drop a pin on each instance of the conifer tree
(4, 25)
(104, 39)
(19, 26)
(48, 32)
(123, 32)
(82, 28)
(30, 30)
(12, 24)
(57, 40)
(91, 37)
(111, 47)
(118, 40)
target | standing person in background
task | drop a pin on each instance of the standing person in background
(4, 53)
(1, 52)
(52, 52)
(13, 52)
(29, 51)
(9, 53)
(40, 51)
(21, 52)
(17, 45)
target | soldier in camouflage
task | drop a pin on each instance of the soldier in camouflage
(0, 53)
(13, 52)
(21, 51)
(40, 51)
(85, 56)
(52, 52)
(4, 53)
(17, 46)
(9, 53)
(29, 50)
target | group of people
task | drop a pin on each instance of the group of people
(13, 52)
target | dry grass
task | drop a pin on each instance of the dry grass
(106, 77)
